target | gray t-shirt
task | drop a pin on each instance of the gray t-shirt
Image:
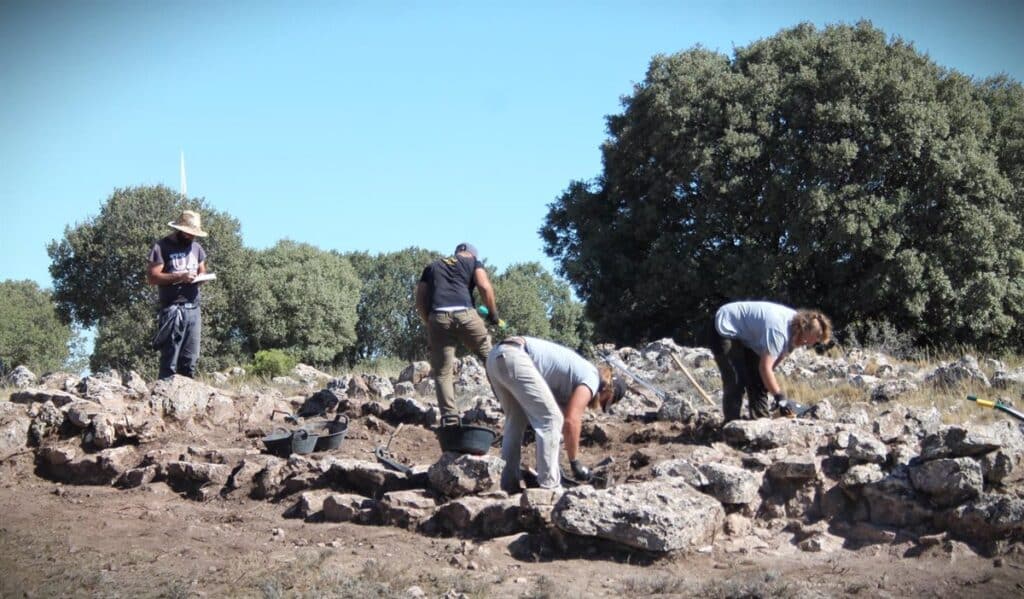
(563, 369)
(761, 326)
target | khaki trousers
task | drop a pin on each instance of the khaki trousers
(444, 331)
(526, 399)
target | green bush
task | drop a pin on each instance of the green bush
(272, 362)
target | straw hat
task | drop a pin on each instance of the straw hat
(189, 222)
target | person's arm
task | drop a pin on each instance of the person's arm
(423, 301)
(572, 423)
(766, 366)
(156, 276)
(483, 282)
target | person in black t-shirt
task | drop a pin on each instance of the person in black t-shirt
(444, 302)
(174, 262)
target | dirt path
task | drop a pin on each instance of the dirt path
(102, 542)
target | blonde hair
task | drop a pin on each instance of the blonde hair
(811, 321)
(605, 387)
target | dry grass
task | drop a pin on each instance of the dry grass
(949, 400)
(321, 573)
(750, 586)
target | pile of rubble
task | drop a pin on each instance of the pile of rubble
(874, 473)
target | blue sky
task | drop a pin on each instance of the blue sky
(368, 125)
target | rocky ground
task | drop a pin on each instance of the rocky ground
(114, 486)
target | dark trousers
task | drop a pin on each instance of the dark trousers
(179, 333)
(738, 366)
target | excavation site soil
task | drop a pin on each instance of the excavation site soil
(182, 500)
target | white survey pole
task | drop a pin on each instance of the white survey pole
(184, 185)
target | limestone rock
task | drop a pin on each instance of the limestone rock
(378, 386)
(415, 372)
(283, 477)
(867, 448)
(455, 475)
(535, 507)
(103, 468)
(406, 509)
(795, 468)
(485, 410)
(822, 542)
(948, 481)
(348, 507)
(181, 398)
(368, 478)
(411, 411)
(309, 374)
(14, 426)
(861, 474)
(662, 515)
(682, 469)
(731, 485)
(988, 518)
(957, 441)
(964, 369)
(893, 501)
(57, 398)
(309, 505)
(887, 391)
(47, 421)
(486, 517)
(21, 377)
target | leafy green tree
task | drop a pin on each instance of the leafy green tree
(302, 300)
(535, 303)
(826, 168)
(388, 324)
(99, 267)
(31, 333)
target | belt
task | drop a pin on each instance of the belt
(517, 341)
(185, 305)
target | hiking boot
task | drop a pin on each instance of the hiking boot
(451, 420)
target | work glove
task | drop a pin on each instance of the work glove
(579, 471)
(786, 407)
(492, 318)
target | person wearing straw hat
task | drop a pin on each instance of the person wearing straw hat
(444, 302)
(174, 263)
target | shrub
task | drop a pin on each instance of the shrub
(272, 362)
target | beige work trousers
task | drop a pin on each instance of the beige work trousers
(526, 399)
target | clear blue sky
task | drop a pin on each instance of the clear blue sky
(366, 125)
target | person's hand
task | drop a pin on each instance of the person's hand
(492, 317)
(186, 277)
(780, 399)
(579, 471)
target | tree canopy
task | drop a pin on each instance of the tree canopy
(829, 168)
(30, 331)
(300, 299)
(388, 324)
(535, 303)
(99, 274)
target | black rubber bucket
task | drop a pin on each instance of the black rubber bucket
(283, 442)
(304, 441)
(466, 438)
(279, 442)
(332, 433)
